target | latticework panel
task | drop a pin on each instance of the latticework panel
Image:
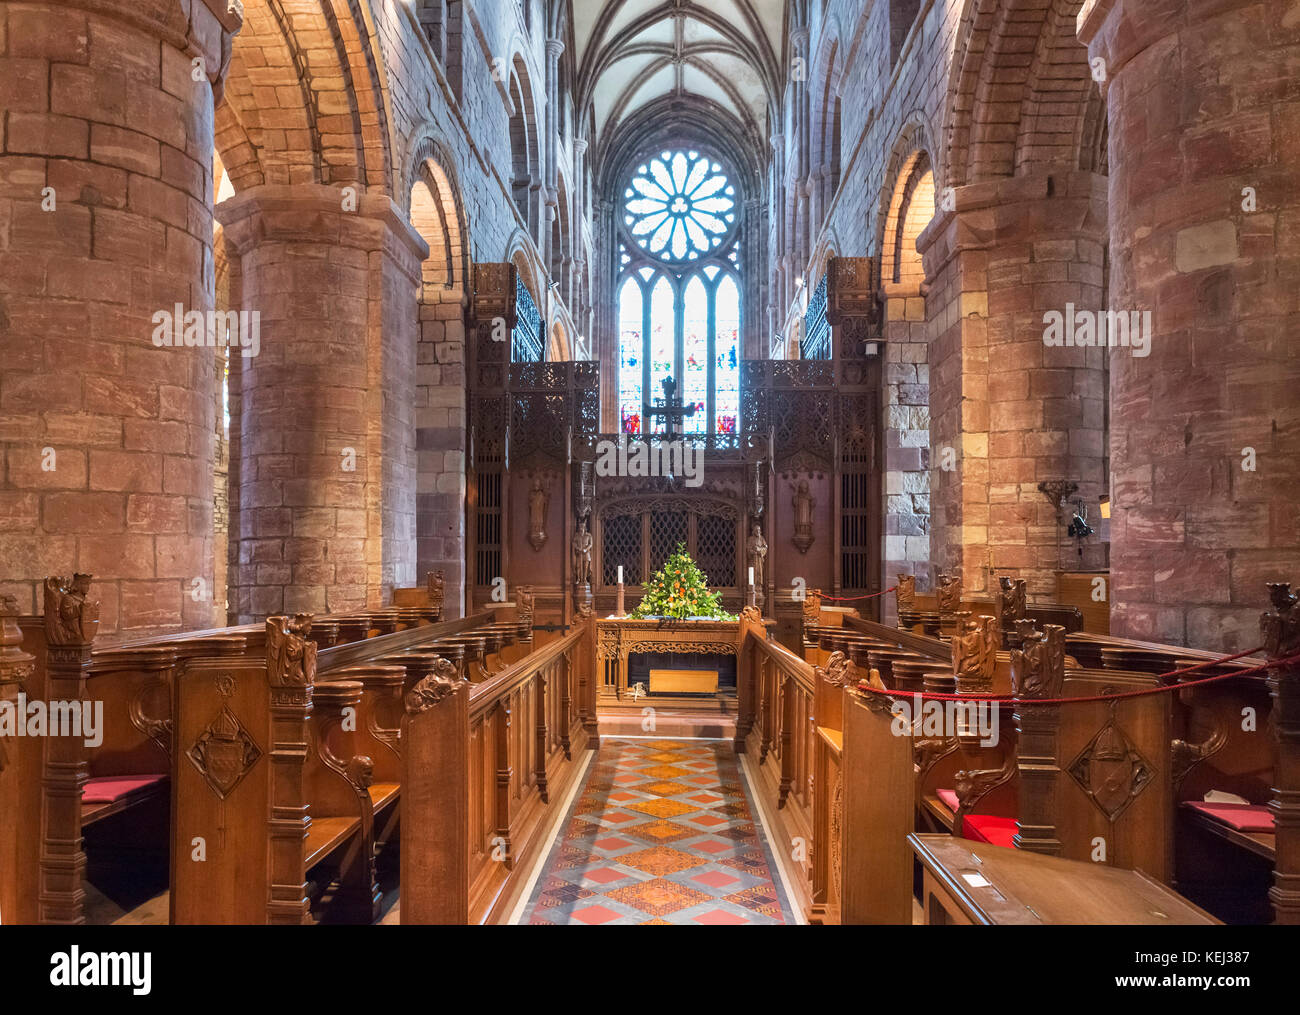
(667, 529)
(621, 544)
(715, 546)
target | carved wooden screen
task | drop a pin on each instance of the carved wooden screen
(640, 534)
(816, 342)
(859, 503)
(667, 529)
(715, 548)
(527, 344)
(621, 545)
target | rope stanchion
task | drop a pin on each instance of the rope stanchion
(1162, 689)
(854, 599)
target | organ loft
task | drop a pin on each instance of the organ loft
(609, 462)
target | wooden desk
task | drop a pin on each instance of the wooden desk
(1029, 888)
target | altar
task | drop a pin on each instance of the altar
(711, 646)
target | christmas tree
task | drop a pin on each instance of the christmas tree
(681, 590)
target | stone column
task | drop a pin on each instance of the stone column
(327, 458)
(1205, 205)
(105, 222)
(1007, 411)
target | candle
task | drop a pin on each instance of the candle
(751, 576)
(620, 574)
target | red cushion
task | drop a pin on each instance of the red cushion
(1242, 817)
(949, 797)
(106, 789)
(989, 828)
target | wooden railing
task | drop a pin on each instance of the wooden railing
(485, 765)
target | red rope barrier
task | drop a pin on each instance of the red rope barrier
(854, 599)
(1164, 688)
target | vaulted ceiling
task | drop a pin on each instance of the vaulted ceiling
(631, 54)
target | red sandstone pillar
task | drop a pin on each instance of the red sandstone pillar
(1204, 216)
(1006, 410)
(327, 470)
(105, 220)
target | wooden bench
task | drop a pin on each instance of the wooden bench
(485, 765)
(269, 737)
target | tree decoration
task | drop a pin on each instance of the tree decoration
(680, 589)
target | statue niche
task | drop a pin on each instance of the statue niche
(803, 502)
(538, 500)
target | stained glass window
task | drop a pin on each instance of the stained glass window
(679, 293)
(630, 315)
(695, 357)
(727, 348)
(680, 206)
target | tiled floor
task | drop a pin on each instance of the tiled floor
(664, 832)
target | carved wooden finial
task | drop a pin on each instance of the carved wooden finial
(975, 654)
(839, 671)
(949, 593)
(1281, 626)
(524, 600)
(436, 589)
(1038, 666)
(905, 594)
(15, 664)
(812, 606)
(70, 618)
(1011, 605)
(752, 615)
(290, 652)
(441, 681)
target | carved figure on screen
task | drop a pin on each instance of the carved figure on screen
(537, 501)
(757, 549)
(582, 554)
(803, 502)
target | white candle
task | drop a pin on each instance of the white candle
(751, 576)
(620, 574)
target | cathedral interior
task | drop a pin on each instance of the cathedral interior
(630, 409)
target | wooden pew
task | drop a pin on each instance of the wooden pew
(267, 737)
(484, 765)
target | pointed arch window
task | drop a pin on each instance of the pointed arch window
(679, 292)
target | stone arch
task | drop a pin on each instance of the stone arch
(521, 251)
(436, 210)
(328, 123)
(825, 157)
(1009, 111)
(900, 216)
(525, 149)
(433, 165)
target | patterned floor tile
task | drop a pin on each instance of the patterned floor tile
(662, 833)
